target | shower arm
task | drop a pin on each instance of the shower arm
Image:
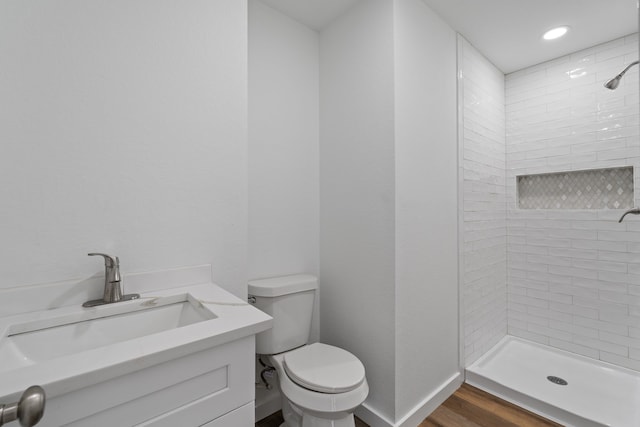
(635, 211)
(628, 66)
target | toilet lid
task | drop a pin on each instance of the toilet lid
(324, 368)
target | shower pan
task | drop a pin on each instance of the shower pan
(563, 386)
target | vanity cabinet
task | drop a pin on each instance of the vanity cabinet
(213, 387)
(183, 354)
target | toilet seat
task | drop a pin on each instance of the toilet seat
(324, 368)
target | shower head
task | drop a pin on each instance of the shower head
(614, 82)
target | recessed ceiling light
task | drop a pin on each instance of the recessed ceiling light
(555, 33)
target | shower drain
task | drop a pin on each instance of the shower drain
(557, 380)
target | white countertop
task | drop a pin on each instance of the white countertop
(235, 319)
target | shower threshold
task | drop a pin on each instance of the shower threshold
(570, 389)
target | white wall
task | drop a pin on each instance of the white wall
(574, 275)
(388, 203)
(123, 127)
(283, 144)
(283, 155)
(483, 253)
(426, 154)
(357, 193)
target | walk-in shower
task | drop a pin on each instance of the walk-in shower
(614, 82)
(550, 279)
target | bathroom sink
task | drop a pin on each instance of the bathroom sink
(35, 341)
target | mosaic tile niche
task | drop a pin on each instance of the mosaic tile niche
(586, 189)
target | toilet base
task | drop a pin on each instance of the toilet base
(294, 417)
(332, 423)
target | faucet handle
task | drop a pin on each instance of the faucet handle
(109, 261)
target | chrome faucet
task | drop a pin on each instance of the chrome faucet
(112, 283)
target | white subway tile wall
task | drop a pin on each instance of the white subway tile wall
(573, 275)
(482, 168)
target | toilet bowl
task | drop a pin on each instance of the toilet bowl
(321, 385)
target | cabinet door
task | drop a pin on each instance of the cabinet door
(188, 391)
(241, 417)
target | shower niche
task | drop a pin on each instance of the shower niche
(610, 188)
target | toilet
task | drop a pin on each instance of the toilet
(321, 385)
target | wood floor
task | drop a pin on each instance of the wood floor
(467, 407)
(472, 407)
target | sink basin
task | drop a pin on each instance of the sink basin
(47, 338)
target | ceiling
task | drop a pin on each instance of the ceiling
(507, 32)
(313, 13)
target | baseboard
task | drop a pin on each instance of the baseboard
(431, 402)
(267, 403)
(372, 417)
(416, 415)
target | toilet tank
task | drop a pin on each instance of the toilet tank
(289, 300)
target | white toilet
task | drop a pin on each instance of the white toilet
(321, 385)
